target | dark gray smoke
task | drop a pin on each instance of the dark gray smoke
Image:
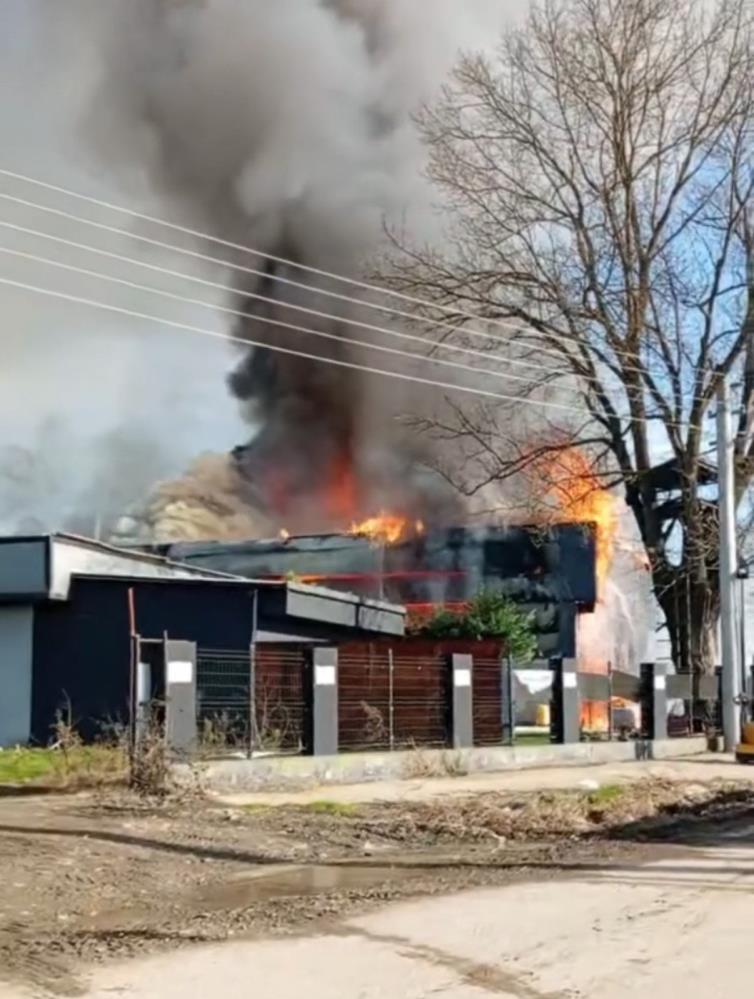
(286, 126)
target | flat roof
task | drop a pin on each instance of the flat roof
(133, 554)
(37, 568)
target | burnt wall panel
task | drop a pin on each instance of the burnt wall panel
(442, 566)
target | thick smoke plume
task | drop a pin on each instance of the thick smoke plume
(286, 126)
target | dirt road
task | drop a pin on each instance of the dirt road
(500, 893)
(681, 925)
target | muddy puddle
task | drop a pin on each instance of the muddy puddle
(291, 882)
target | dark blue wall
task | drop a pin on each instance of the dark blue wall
(82, 646)
(81, 657)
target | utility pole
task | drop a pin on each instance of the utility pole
(731, 685)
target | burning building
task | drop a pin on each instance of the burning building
(550, 572)
(288, 129)
(586, 587)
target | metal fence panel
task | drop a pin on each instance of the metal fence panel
(386, 702)
(594, 687)
(421, 702)
(680, 686)
(365, 703)
(626, 685)
(223, 700)
(487, 702)
(251, 700)
(280, 697)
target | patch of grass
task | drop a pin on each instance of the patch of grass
(256, 809)
(19, 766)
(607, 795)
(532, 739)
(338, 808)
(81, 766)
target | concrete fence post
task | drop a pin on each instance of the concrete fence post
(324, 702)
(654, 706)
(180, 697)
(507, 701)
(143, 698)
(462, 708)
(566, 704)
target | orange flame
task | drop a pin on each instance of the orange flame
(384, 529)
(341, 498)
(572, 490)
(572, 484)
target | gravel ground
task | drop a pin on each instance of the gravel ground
(90, 879)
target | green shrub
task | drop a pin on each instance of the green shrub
(488, 615)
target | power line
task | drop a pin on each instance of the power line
(197, 234)
(230, 289)
(267, 321)
(132, 313)
(266, 299)
(80, 300)
(277, 278)
(284, 325)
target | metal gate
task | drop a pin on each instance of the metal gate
(252, 700)
(392, 702)
(223, 700)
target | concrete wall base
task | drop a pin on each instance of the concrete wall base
(293, 772)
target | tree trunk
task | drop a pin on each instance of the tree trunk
(692, 610)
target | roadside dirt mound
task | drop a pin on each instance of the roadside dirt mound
(610, 810)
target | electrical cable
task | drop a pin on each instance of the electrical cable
(197, 234)
(93, 303)
(134, 314)
(232, 290)
(268, 321)
(287, 305)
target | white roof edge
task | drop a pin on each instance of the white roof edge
(136, 555)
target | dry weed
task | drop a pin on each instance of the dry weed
(418, 763)
(376, 732)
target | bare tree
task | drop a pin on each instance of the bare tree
(598, 174)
